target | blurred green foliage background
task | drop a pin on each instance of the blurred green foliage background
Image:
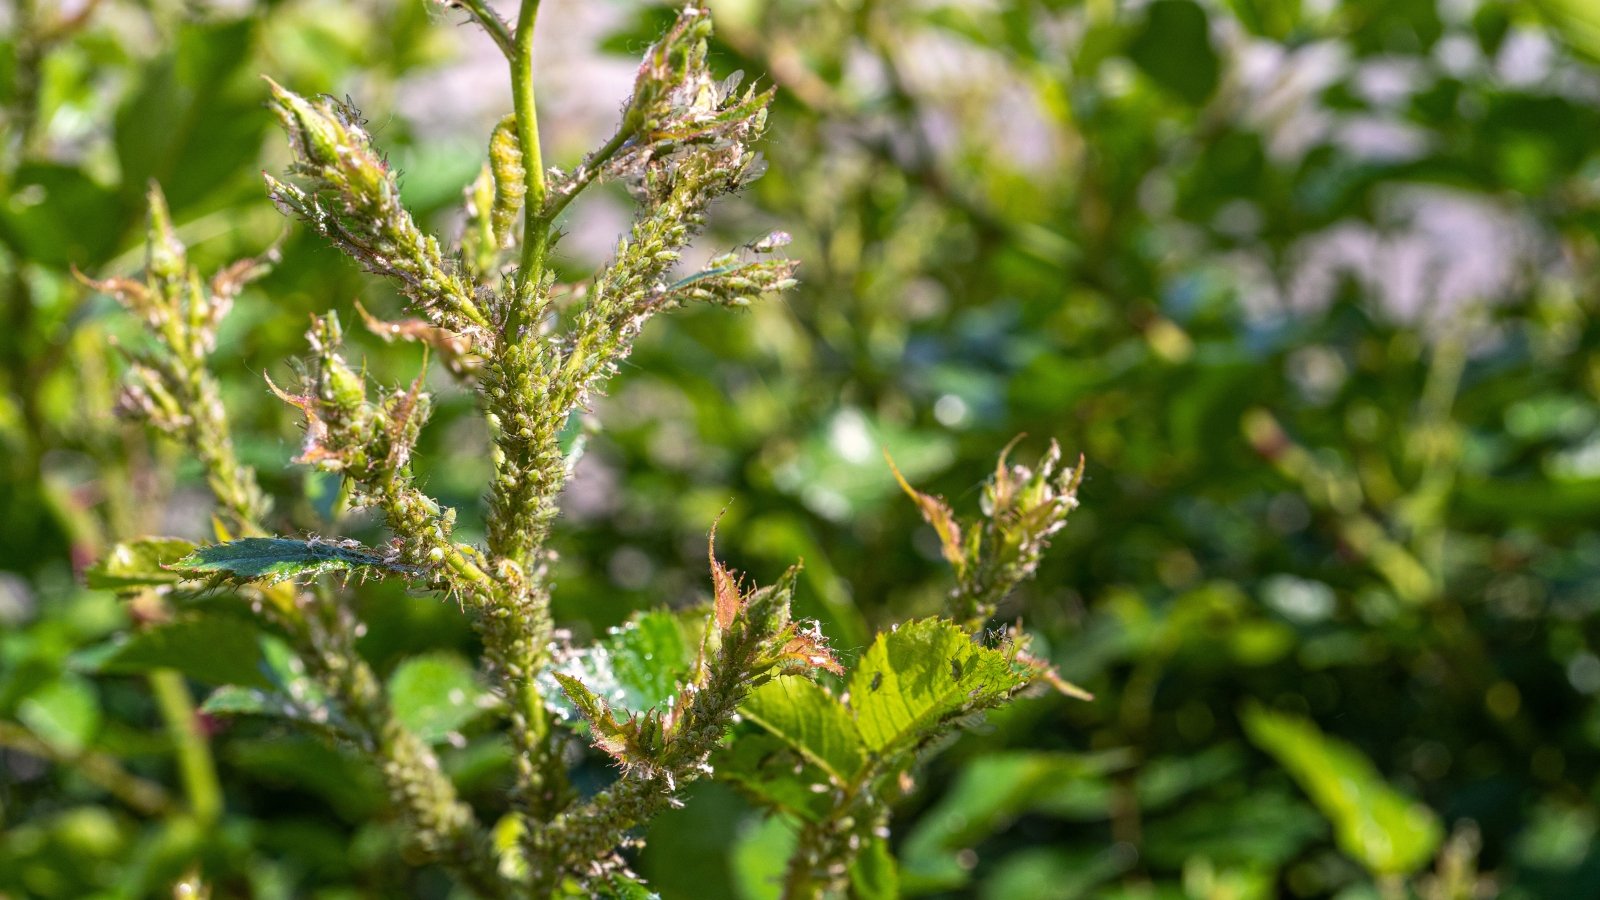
(1312, 285)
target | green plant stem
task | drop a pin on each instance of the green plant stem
(443, 827)
(592, 167)
(493, 24)
(195, 765)
(535, 237)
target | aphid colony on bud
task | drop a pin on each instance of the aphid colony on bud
(535, 352)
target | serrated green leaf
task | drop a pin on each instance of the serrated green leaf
(634, 668)
(812, 721)
(921, 675)
(141, 563)
(210, 649)
(436, 695)
(279, 559)
(1384, 830)
(64, 713)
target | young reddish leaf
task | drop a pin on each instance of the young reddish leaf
(725, 587)
(936, 513)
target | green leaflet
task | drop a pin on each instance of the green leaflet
(279, 559)
(921, 675)
(211, 649)
(134, 564)
(436, 694)
(811, 720)
(1384, 830)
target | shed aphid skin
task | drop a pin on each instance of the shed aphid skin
(669, 697)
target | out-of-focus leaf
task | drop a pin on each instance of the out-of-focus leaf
(810, 719)
(873, 875)
(773, 773)
(292, 695)
(1174, 49)
(1264, 829)
(1384, 830)
(633, 668)
(759, 857)
(921, 674)
(311, 764)
(1577, 22)
(280, 559)
(194, 123)
(64, 713)
(211, 649)
(59, 215)
(140, 563)
(435, 695)
(839, 472)
(991, 791)
(1048, 873)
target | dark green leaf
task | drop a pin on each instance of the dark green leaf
(1174, 49)
(210, 649)
(280, 559)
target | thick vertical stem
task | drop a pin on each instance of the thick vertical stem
(535, 235)
(195, 765)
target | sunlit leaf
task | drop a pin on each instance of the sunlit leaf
(923, 674)
(810, 719)
(1384, 830)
